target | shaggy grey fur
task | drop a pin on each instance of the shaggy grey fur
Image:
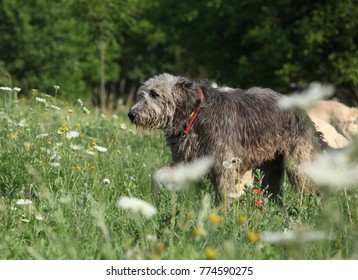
(240, 129)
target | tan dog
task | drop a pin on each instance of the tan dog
(342, 117)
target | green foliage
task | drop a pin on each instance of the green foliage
(238, 43)
(73, 214)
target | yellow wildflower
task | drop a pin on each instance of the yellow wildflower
(197, 231)
(214, 218)
(211, 253)
(189, 214)
(118, 151)
(253, 236)
(242, 219)
(63, 128)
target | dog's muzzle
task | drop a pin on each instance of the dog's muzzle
(131, 116)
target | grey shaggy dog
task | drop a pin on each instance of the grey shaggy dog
(241, 129)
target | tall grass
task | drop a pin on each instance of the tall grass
(59, 191)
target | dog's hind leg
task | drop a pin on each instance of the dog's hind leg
(273, 176)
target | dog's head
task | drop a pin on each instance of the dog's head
(164, 101)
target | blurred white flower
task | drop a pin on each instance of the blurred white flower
(307, 98)
(44, 135)
(23, 202)
(72, 134)
(333, 169)
(17, 89)
(179, 177)
(55, 107)
(5, 88)
(56, 87)
(75, 147)
(41, 100)
(39, 217)
(123, 126)
(106, 181)
(137, 205)
(79, 101)
(100, 149)
(55, 164)
(89, 152)
(86, 110)
(293, 236)
(151, 237)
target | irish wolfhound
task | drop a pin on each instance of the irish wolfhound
(240, 129)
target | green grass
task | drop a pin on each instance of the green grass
(74, 215)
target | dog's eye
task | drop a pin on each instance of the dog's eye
(153, 94)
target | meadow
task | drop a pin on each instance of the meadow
(64, 166)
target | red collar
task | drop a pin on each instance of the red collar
(195, 114)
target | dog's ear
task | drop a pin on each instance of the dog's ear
(185, 85)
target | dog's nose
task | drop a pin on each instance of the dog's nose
(131, 116)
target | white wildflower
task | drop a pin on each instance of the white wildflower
(70, 111)
(27, 145)
(56, 87)
(55, 164)
(75, 147)
(17, 89)
(79, 101)
(89, 152)
(5, 88)
(41, 100)
(39, 217)
(293, 236)
(72, 134)
(55, 107)
(333, 169)
(100, 149)
(307, 98)
(123, 126)
(86, 110)
(137, 205)
(151, 237)
(44, 135)
(106, 181)
(180, 176)
(23, 202)
(54, 156)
